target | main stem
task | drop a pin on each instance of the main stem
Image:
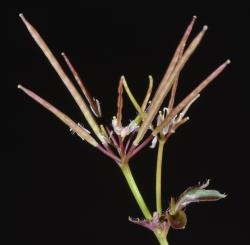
(134, 189)
(162, 239)
(159, 177)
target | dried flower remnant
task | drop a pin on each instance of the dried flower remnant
(121, 143)
(175, 122)
(158, 224)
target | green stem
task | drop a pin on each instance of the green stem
(162, 239)
(159, 177)
(132, 98)
(134, 189)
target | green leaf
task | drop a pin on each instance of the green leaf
(195, 194)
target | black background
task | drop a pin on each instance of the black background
(68, 193)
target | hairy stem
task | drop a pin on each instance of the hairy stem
(135, 191)
(159, 176)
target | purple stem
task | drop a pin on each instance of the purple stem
(127, 144)
(133, 151)
(121, 146)
(108, 149)
(114, 141)
(110, 154)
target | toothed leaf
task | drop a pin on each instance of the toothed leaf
(195, 194)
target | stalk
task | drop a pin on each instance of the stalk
(135, 191)
(159, 177)
(161, 239)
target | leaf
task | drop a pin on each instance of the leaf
(195, 194)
